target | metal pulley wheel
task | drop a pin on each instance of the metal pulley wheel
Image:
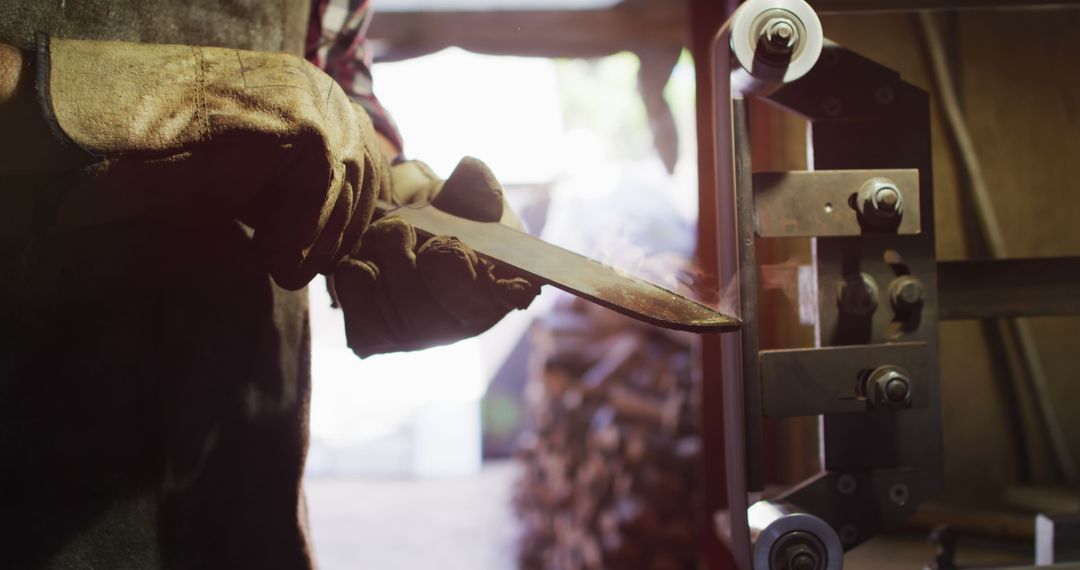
(788, 539)
(775, 41)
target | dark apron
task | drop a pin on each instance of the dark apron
(154, 382)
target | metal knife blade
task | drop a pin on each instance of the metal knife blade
(549, 264)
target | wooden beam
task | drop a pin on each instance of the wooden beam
(538, 33)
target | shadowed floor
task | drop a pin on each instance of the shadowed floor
(468, 524)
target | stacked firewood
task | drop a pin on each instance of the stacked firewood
(611, 461)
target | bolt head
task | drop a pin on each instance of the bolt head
(906, 292)
(848, 534)
(858, 295)
(846, 484)
(889, 387)
(884, 95)
(897, 390)
(832, 107)
(781, 34)
(899, 493)
(880, 200)
(886, 198)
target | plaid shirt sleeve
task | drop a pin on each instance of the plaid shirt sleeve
(337, 43)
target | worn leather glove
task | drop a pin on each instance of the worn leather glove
(193, 134)
(399, 297)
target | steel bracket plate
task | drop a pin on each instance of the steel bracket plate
(860, 503)
(812, 381)
(822, 203)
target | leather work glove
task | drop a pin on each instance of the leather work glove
(196, 134)
(397, 296)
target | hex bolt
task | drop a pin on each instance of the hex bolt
(780, 34)
(889, 387)
(879, 200)
(906, 293)
(858, 295)
(897, 390)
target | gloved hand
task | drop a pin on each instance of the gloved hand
(398, 297)
(192, 134)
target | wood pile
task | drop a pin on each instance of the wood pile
(612, 457)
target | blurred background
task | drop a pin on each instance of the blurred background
(410, 463)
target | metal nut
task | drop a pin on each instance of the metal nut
(906, 293)
(781, 34)
(880, 200)
(858, 295)
(889, 387)
(798, 550)
(803, 559)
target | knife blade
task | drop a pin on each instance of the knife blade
(576, 274)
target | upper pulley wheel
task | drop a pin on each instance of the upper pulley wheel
(776, 40)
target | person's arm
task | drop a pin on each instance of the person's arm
(194, 135)
(27, 145)
(399, 293)
(344, 54)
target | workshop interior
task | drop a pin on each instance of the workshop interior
(811, 280)
(882, 200)
(898, 394)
